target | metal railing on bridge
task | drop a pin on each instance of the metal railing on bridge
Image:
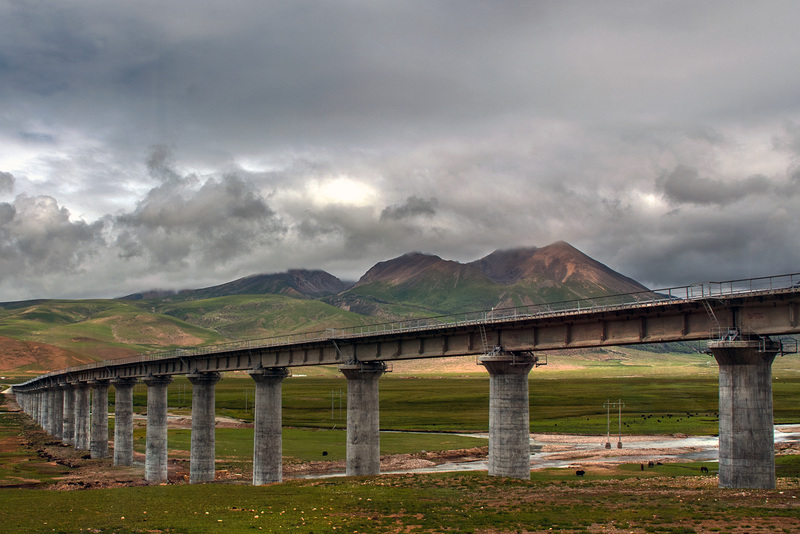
(672, 295)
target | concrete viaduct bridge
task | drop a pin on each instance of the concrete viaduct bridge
(737, 317)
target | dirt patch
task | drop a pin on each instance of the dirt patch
(18, 353)
(389, 462)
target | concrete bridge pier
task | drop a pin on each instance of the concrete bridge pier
(98, 441)
(82, 411)
(201, 465)
(363, 417)
(68, 415)
(36, 403)
(268, 435)
(49, 410)
(155, 463)
(57, 413)
(746, 434)
(44, 410)
(123, 420)
(41, 417)
(509, 415)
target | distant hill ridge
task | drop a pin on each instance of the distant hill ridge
(298, 283)
(559, 265)
(504, 278)
(50, 334)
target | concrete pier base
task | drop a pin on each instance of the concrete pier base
(123, 420)
(82, 411)
(201, 465)
(746, 435)
(155, 463)
(363, 418)
(509, 415)
(268, 435)
(98, 441)
(68, 415)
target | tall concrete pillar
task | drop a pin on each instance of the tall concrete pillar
(57, 416)
(44, 410)
(35, 406)
(268, 433)
(98, 440)
(363, 417)
(68, 415)
(746, 440)
(509, 415)
(123, 420)
(82, 413)
(201, 465)
(155, 464)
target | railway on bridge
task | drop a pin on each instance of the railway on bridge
(739, 318)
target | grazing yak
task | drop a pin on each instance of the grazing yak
(580, 472)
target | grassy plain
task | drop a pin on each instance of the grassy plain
(662, 395)
(620, 501)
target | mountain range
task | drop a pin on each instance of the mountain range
(263, 305)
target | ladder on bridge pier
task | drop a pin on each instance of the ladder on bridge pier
(497, 349)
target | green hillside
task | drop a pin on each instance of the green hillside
(102, 329)
(432, 296)
(259, 316)
(110, 329)
(410, 286)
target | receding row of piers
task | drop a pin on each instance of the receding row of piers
(77, 413)
(64, 410)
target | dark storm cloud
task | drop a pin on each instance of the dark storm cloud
(6, 182)
(412, 207)
(37, 238)
(685, 185)
(187, 219)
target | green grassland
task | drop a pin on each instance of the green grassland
(669, 501)
(663, 394)
(234, 446)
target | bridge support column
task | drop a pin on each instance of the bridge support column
(68, 415)
(82, 411)
(37, 409)
(155, 464)
(509, 415)
(98, 442)
(746, 434)
(363, 417)
(37, 406)
(268, 435)
(123, 420)
(44, 410)
(201, 465)
(57, 415)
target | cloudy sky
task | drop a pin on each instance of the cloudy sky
(179, 144)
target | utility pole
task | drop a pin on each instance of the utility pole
(333, 404)
(608, 404)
